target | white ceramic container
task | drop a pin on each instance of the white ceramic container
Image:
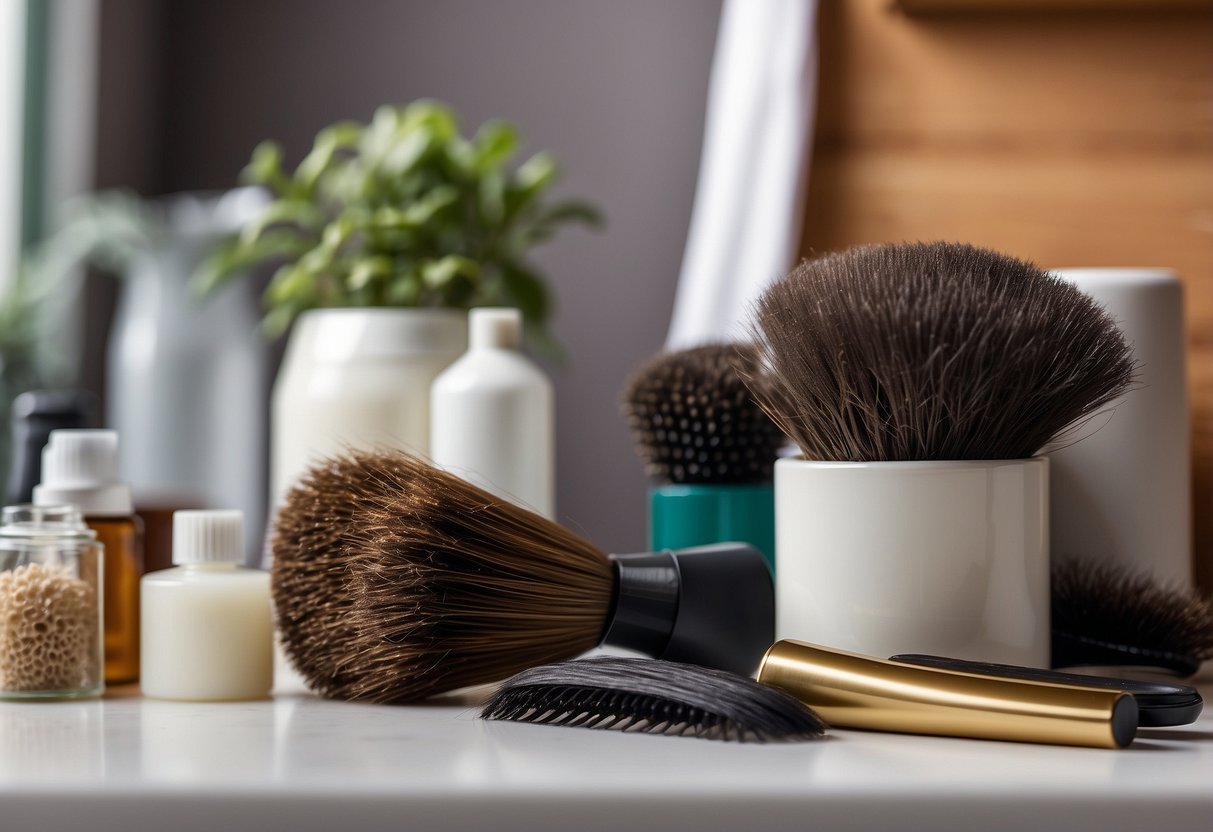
(1122, 493)
(949, 558)
(358, 378)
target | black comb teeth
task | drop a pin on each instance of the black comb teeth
(653, 697)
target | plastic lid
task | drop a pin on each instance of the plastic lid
(495, 327)
(81, 467)
(208, 536)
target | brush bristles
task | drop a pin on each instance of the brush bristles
(653, 697)
(695, 421)
(933, 351)
(394, 581)
(1103, 614)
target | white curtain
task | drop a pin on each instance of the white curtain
(12, 85)
(746, 222)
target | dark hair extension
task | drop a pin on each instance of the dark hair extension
(1104, 614)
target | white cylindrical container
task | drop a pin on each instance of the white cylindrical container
(492, 419)
(358, 378)
(948, 558)
(207, 631)
(1122, 493)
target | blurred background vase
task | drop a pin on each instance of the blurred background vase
(186, 376)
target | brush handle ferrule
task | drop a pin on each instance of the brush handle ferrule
(646, 602)
(710, 605)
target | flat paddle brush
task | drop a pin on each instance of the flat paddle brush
(393, 581)
(653, 697)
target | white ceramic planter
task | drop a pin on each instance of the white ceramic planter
(358, 378)
(949, 558)
(1122, 493)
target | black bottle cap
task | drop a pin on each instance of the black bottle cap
(35, 414)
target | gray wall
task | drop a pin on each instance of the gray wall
(614, 88)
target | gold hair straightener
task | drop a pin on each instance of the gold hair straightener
(948, 697)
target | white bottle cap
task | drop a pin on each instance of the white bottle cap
(81, 467)
(208, 536)
(494, 327)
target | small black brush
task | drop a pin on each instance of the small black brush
(1105, 615)
(694, 420)
(653, 697)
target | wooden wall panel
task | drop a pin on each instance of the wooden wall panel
(1069, 139)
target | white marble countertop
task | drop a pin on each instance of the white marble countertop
(300, 763)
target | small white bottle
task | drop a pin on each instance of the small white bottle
(491, 415)
(207, 630)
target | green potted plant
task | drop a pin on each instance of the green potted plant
(383, 235)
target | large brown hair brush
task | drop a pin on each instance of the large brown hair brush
(932, 351)
(393, 581)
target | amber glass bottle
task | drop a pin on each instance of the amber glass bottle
(79, 467)
(123, 541)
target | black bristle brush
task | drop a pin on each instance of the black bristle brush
(707, 445)
(1105, 616)
(653, 697)
(932, 351)
(694, 420)
(394, 580)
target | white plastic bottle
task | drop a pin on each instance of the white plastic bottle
(491, 418)
(207, 632)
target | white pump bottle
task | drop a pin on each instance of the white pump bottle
(491, 415)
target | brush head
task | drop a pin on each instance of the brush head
(694, 420)
(393, 581)
(653, 697)
(1105, 615)
(933, 351)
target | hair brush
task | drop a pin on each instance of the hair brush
(653, 697)
(708, 446)
(393, 580)
(694, 420)
(1106, 615)
(932, 351)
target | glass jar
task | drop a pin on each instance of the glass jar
(50, 604)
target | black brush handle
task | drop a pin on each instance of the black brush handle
(711, 605)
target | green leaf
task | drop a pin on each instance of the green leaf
(405, 289)
(573, 211)
(495, 143)
(526, 290)
(293, 284)
(425, 209)
(234, 257)
(296, 212)
(491, 198)
(438, 274)
(265, 168)
(366, 270)
(343, 135)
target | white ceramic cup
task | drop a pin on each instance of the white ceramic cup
(948, 558)
(1122, 493)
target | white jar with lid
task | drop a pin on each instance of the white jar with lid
(207, 631)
